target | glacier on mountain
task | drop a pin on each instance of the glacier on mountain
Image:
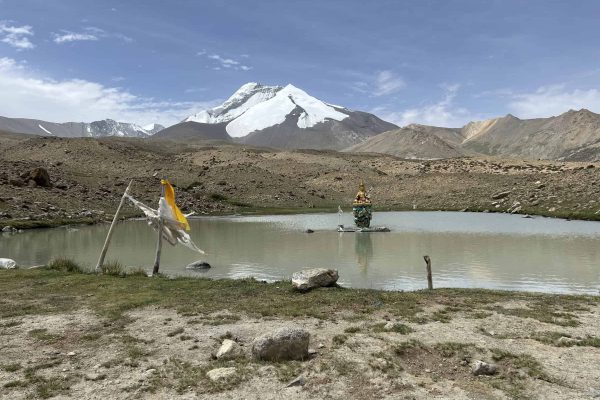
(255, 107)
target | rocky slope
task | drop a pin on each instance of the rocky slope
(572, 136)
(412, 142)
(88, 177)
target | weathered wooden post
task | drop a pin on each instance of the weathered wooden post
(429, 278)
(112, 227)
(160, 235)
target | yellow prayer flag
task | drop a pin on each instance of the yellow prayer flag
(170, 198)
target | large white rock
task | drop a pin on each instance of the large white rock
(7, 263)
(228, 350)
(314, 277)
(283, 344)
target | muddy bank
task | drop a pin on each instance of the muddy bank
(85, 336)
(88, 177)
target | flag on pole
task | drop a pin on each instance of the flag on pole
(175, 224)
(171, 211)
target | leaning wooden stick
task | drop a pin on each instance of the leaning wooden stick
(429, 278)
(160, 235)
(111, 229)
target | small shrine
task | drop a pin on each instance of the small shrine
(362, 208)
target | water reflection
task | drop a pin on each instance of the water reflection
(363, 249)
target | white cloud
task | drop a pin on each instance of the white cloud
(225, 63)
(443, 113)
(552, 100)
(73, 37)
(387, 82)
(16, 36)
(28, 94)
(89, 33)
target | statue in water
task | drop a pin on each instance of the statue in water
(362, 208)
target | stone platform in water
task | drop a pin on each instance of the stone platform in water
(343, 228)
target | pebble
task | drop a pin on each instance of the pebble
(71, 354)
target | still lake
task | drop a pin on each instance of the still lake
(468, 250)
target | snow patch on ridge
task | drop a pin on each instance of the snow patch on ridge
(45, 130)
(244, 98)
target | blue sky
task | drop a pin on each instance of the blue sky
(433, 62)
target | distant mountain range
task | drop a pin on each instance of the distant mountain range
(571, 136)
(106, 127)
(282, 117)
(289, 118)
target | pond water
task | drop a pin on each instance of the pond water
(497, 251)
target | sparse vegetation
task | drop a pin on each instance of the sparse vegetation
(65, 265)
(113, 268)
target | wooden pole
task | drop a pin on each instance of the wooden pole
(429, 278)
(159, 240)
(111, 229)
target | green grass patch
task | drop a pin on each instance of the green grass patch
(11, 367)
(44, 291)
(113, 268)
(451, 349)
(352, 329)
(339, 340)
(395, 327)
(43, 335)
(176, 332)
(16, 384)
(65, 265)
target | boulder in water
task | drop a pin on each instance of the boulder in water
(198, 265)
(7, 263)
(308, 279)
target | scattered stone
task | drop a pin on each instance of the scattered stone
(567, 341)
(283, 344)
(7, 263)
(95, 377)
(198, 265)
(298, 381)
(219, 374)
(71, 353)
(9, 229)
(313, 278)
(228, 350)
(309, 231)
(482, 368)
(500, 195)
(40, 177)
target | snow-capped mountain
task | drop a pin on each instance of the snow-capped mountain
(283, 117)
(106, 127)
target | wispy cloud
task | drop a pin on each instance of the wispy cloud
(552, 100)
(387, 83)
(221, 62)
(16, 36)
(90, 33)
(73, 37)
(29, 94)
(442, 113)
(383, 83)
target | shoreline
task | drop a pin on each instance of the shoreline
(27, 224)
(79, 335)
